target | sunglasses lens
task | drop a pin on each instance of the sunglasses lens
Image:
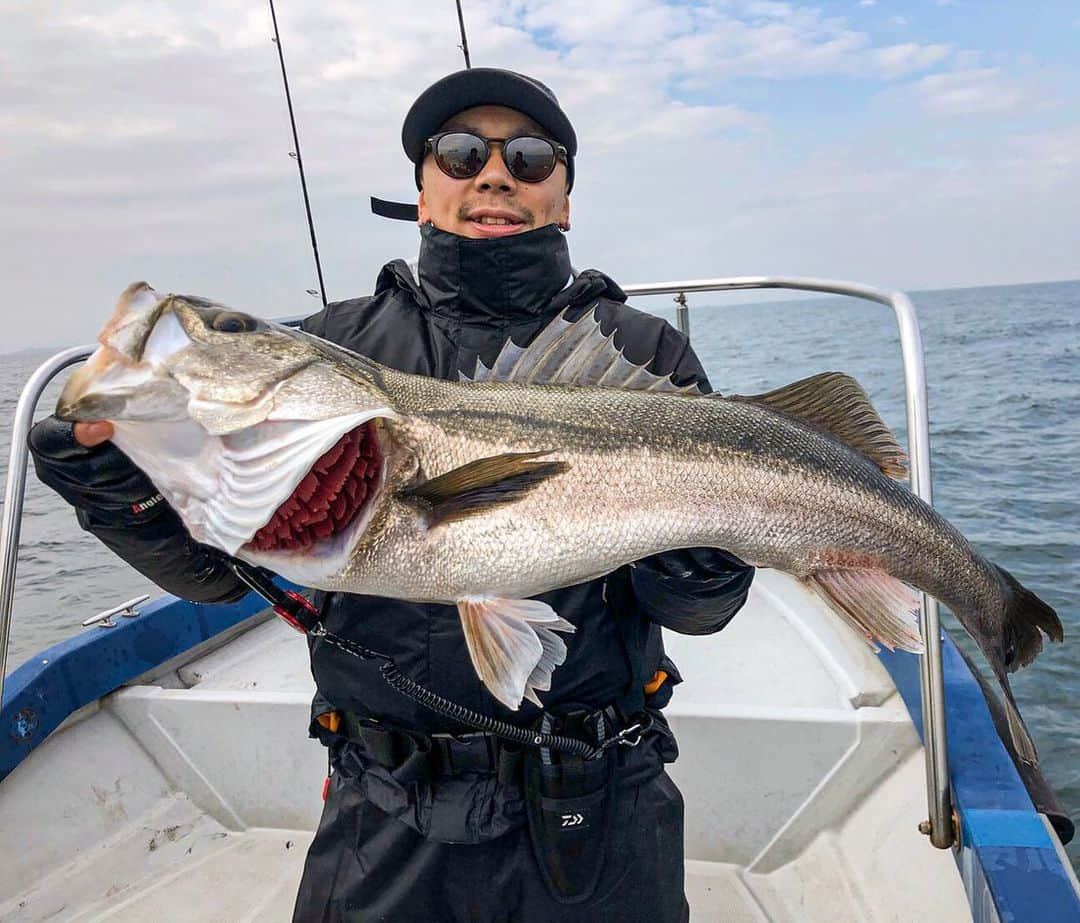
(531, 160)
(460, 154)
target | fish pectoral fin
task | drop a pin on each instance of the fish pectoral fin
(878, 606)
(837, 403)
(513, 645)
(483, 484)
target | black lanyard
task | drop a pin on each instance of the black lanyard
(304, 617)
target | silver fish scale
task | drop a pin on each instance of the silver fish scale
(648, 473)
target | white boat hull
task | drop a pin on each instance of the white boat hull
(193, 794)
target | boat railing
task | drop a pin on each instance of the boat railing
(940, 826)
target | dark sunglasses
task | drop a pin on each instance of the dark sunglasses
(462, 155)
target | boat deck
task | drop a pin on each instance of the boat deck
(174, 863)
(192, 795)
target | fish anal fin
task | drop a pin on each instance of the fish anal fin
(513, 645)
(877, 605)
(483, 484)
(837, 403)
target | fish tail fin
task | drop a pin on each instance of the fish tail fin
(877, 605)
(1026, 618)
(513, 645)
(1021, 737)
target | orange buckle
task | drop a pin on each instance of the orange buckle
(656, 682)
(331, 720)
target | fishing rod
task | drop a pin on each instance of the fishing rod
(464, 46)
(295, 154)
(382, 207)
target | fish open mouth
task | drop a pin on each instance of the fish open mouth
(329, 497)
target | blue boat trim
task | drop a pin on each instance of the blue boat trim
(1005, 828)
(45, 690)
(1011, 869)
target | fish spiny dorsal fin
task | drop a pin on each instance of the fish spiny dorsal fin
(836, 403)
(577, 353)
(543, 359)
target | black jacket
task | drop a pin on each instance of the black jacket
(469, 298)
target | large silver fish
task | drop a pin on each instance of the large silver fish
(341, 474)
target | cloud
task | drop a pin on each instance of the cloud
(1054, 152)
(152, 139)
(700, 45)
(900, 60)
(968, 92)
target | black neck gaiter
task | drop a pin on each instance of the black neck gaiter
(493, 280)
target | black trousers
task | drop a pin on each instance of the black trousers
(367, 865)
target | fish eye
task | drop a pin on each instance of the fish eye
(233, 322)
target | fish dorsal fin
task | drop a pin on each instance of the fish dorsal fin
(837, 403)
(483, 484)
(574, 353)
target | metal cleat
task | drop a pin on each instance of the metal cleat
(126, 609)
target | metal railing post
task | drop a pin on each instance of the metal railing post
(932, 683)
(682, 314)
(16, 483)
(931, 678)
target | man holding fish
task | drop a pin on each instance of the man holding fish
(424, 820)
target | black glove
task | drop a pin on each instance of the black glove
(101, 480)
(692, 590)
(116, 502)
(697, 564)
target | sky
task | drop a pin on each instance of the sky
(909, 144)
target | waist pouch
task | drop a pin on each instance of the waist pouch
(473, 802)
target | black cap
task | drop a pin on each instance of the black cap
(485, 86)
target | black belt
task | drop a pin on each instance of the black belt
(447, 754)
(450, 754)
